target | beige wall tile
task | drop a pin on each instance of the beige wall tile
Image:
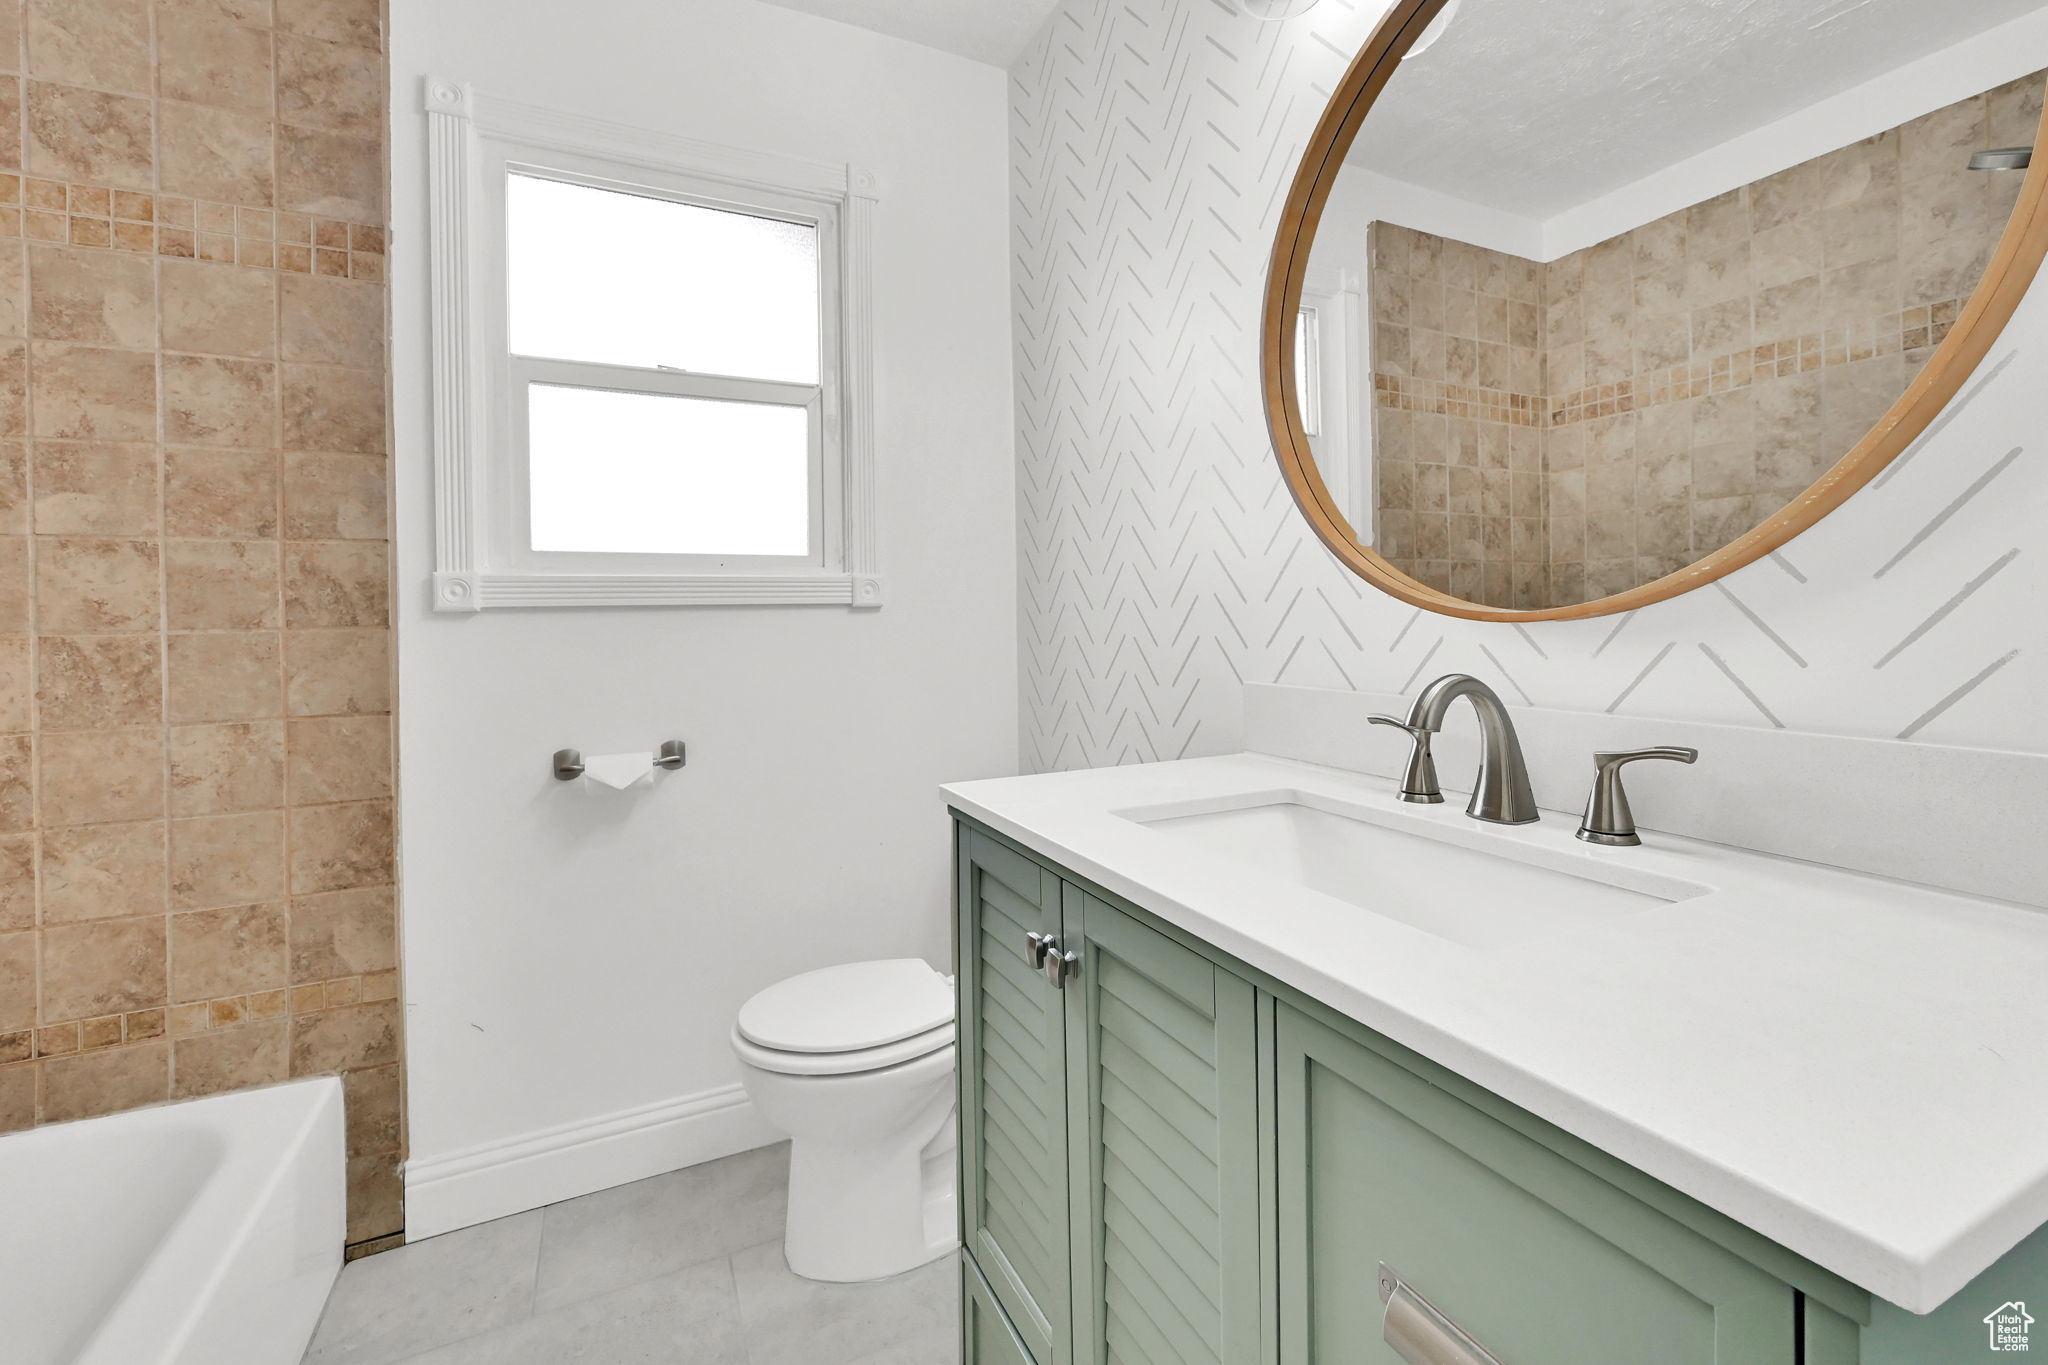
(101, 43)
(333, 322)
(106, 298)
(213, 400)
(221, 584)
(95, 586)
(326, 85)
(336, 848)
(256, 12)
(219, 309)
(376, 1195)
(18, 1097)
(14, 395)
(105, 1082)
(339, 758)
(335, 497)
(95, 776)
(344, 933)
(335, 583)
(371, 1100)
(89, 393)
(335, 175)
(346, 1039)
(231, 1059)
(15, 580)
(220, 769)
(223, 493)
(17, 783)
(14, 507)
(17, 981)
(343, 21)
(78, 134)
(99, 682)
(337, 672)
(95, 489)
(236, 951)
(221, 860)
(102, 967)
(210, 61)
(232, 675)
(332, 408)
(17, 881)
(102, 872)
(222, 155)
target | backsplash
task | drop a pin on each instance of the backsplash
(1164, 563)
(196, 841)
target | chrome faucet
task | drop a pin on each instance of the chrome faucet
(1501, 793)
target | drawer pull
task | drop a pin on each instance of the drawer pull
(1419, 1332)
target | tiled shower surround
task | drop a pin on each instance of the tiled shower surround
(1550, 433)
(195, 734)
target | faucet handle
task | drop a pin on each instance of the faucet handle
(1608, 817)
(1418, 785)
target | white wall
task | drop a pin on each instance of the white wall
(1165, 563)
(574, 958)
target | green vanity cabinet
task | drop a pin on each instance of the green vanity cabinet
(1539, 1260)
(1163, 1076)
(1013, 1094)
(1109, 1134)
(1169, 1158)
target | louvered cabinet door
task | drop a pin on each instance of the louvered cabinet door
(1013, 1094)
(1162, 1062)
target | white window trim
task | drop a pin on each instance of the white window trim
(471, 450)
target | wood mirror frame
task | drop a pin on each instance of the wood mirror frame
(2013, 267)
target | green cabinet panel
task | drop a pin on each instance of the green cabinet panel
(1163, 1104)
(1014, 1187)
(986, 1337)
(1539, 1260)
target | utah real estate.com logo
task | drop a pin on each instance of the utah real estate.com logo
(2008, 1324)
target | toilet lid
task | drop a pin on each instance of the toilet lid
(849, 1007)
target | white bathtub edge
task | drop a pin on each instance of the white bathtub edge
(496, 1179)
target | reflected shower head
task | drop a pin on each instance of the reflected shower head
(2003, 159)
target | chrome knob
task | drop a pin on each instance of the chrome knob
(1036, 946)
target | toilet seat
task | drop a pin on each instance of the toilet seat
(855, 1017)
(846, 1063)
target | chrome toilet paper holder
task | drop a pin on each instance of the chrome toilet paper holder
(569, 762)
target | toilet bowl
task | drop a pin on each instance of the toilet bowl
(855, 1063)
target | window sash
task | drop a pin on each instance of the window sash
(525, 371)
(510, 496)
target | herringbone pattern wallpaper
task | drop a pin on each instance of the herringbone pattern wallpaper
(1164, 564)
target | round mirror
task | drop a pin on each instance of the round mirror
(1579, 305)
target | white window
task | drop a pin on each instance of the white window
(651, 370)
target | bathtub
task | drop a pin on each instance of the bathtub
(208, 1231)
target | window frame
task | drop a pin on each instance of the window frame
(483, 546)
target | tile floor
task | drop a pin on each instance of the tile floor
(682, 1269)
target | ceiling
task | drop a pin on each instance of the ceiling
(993, 31)
(1537, 108)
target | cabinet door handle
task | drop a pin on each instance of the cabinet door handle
(1036, 946)
(1419, 1332)
(1059, 966)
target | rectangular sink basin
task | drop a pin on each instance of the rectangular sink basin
(1466, 886)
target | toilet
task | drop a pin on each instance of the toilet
(855, 1063)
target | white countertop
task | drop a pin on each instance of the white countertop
(1855, 1067)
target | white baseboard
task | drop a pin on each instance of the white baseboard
(509, 1176)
